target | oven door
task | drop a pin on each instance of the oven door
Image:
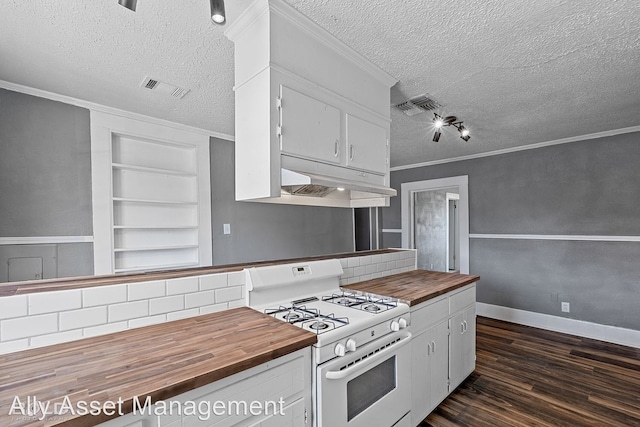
(368, 387)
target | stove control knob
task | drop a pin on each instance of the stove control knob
(339, 349)
(395, 325)
(351, 344)
(402, 322)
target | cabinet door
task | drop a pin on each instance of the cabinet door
(367, 147)
(462, 346)
(309, 128)
(439, 368)
(469, 341)
(456, 350)
(420, 381)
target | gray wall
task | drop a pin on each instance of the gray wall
(261, 231)
(589, 187)
(45, 178)
(45, 167)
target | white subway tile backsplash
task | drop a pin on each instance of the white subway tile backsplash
(354, 261)
(83, 318)
(53, 302)
(13, 306)
(11, 346)
(105, 329)
(213, 281)
(52, 317)
(237, 303)
(213, 308)
(199, 299)
(183, 314)
(146, 321)
(228, 294)
(51, 339)
(128, 310)
(166, 304)
(23, 327)
(103, 295)
(182, 286)
(236, 278)
(146, 290)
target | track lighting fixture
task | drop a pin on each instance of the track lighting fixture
(129, 4)
(218, 15)
(217, 12)
(440, 122)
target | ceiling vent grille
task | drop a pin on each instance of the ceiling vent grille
(164, 88)
(418, 105)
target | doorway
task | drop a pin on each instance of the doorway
(435, 222)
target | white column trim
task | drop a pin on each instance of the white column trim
(406, 200)
(392, 230)
(44, 240)
(612, 334)
(569, 237)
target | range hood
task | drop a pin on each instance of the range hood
(335, 192)
(312, 115)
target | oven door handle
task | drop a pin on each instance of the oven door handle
(336, 375)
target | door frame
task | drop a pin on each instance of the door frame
(407, 190)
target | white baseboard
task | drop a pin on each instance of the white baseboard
(613, 334)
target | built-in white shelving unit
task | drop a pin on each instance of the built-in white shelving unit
(157, 197)
(154, 186)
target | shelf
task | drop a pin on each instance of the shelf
(153, 170)
(156, 227)
(156, 267)
(156, 248)
(155, 202)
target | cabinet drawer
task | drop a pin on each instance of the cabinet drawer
(462, 299)
(428, 314)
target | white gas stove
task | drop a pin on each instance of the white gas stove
(361, 340)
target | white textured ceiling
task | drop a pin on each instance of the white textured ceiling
(517, 72)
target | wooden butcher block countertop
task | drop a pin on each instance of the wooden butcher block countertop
(414, 287)
(160, 361)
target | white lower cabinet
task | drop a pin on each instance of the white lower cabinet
(442, 348)
(276, 393)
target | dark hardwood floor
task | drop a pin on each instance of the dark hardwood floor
(531, 377)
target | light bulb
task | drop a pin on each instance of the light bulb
(438, 123)
(465, 132)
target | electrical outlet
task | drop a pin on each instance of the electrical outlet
(226, 228)
(565, 307)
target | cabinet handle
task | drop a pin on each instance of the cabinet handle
(433, 346)
(337, 148)
(428, 349)
(351, 150)
(466, 327)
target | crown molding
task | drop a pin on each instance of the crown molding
(521, 148)
(111, 110)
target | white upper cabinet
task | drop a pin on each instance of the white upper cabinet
(309, 128)
(367, 145)
(306, 102)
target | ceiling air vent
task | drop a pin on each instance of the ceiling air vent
(164, 88)
(417, 105)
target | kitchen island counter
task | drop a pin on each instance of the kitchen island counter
(414, 287)
(159, 361)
